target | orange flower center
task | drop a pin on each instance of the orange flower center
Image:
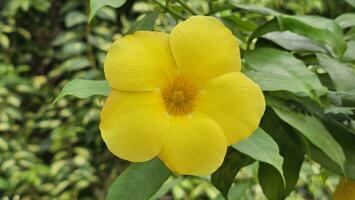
(179, 96)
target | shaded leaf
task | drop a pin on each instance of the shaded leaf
(139, 181)
(351, 2)
(290, 148)
(261, 147)
(84, 88)
(223, 178)
(256, 9)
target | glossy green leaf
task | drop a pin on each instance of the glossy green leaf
(96, 5)
(276, 70)
(139, 181)
(346, 20)
(342, 75)
(145, 24)
(84, 88)
(263, 148)
(312, 128)
(223, 178)
(319, 29)
(294, 42)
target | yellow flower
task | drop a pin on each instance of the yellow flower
(180, 96)
(345, 190)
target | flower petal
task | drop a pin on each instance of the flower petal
(204, 48)
(196, 146)
(134, 125)
(139, 62)
(235, 102)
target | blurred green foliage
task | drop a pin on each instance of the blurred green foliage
(54, 151)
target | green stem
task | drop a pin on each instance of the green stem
(187, 7)
(169, 10)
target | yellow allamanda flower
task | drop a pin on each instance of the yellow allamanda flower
(345, 190)
(179, 96)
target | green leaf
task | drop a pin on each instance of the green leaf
(276, 70)
(312, 128)
(223, 178)
(96, 5)
(294, 42)
(140, 181)
(342, 75)
(321, 30)
(146, 23)
(316, 28)
(74, 18)
(351, 2)
(261, 147)
(252, 8)
(290, 148)
(346, 20)
(349, 54)
(166, 187)
(84, 88)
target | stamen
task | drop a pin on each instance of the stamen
(179, 96)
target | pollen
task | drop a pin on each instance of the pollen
(179, 96)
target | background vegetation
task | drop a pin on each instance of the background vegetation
(54, 151)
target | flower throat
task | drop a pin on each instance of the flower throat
(179, 96)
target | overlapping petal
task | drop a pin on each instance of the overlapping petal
(196, 146)
(204, 48)
(134, 125)
(139, 62)
(235, 102)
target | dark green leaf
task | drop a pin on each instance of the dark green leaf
(261, 147)
(276, 70)
(342, 75)
(139, 181)
(145, 24)
(312, 128)
(223, 178)
(96, 5)
(84, 88)
(290, 148)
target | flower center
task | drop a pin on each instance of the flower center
(179, 96)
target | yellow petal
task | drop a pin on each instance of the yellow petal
(235, 102)
(139, 62)
(134, 125)
(204, 48)
(345, 190)
(196, 146)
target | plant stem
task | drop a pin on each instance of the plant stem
(187, 7)
(169, 10)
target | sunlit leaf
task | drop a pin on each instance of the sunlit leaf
(84, 88)
(276, 70)
(263, 148)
